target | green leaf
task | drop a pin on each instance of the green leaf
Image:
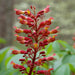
(63, 70)
(69, 59)
(72, 67)
(57, 63)
(45, 65)
(56, 46)
(66, 45)
(3, 53)
(48, 48)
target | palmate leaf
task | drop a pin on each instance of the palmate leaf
(70, 59)
(66, 45)
(62, 70)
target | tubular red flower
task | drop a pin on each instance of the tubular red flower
(15, 66)
(21, 59)
(46, 10)
(23, 52)
(18, 12)
(15, 52)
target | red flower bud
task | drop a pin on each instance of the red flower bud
(18, 30)
(50, 58)
(29, 49)
(41, 25)
(51, 39)
(40, 12)
(15, 52)
(21, 67)
(20, 38)
(54, 30)
(22, 42)
(40, 71)
(22, 16)
(26, 38)
(42, 52)
(28, 13)
(15, 66)
(43, 59)
(18, 12)
(29, 61)
(23, 21)
(21, 59)
(22, 52)
(46, 10)
(26, 31)
(30, 19)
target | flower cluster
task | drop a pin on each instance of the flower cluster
(38, 36)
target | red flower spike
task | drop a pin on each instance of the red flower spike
(36, 38)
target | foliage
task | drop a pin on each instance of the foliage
(64, 64)
(5, 56)
(2, 41)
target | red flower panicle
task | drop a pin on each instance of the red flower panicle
(38, 36)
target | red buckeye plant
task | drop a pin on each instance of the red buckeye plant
(38, 36)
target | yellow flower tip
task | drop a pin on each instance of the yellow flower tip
(28, 11)
(54, 36)
(35, 45)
